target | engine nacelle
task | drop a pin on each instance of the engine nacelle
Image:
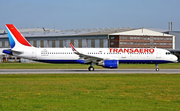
(109, 63)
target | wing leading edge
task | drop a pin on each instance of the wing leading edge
(87, 58)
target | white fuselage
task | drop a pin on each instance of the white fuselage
(66, 55)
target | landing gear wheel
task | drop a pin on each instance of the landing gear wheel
(91, 68)
(157, 69)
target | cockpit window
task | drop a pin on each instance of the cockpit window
(168, 53)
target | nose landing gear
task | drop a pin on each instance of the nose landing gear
(157, 69)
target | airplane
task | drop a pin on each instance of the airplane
(105, 57)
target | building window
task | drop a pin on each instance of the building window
(0, 43)
(80, 43)
(6, 43)
(34, 42)
(121, 37)
(131, 37)
(92, 42)
(53, 43)
(61, 43)
(101, 43)
(112, 37)
(112, 43)
(141, 38)
(42, 43)
(121, 43)
(134, 37)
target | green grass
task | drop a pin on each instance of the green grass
(102, 92)
(82, 66)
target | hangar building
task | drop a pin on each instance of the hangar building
(97, 38)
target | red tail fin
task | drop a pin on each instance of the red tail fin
(13, 33)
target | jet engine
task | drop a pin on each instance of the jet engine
(108, 63)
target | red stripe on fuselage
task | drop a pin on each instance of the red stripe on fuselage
(17, 35)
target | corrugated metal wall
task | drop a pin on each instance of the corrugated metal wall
(79, 42)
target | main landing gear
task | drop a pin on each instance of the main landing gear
(91, 68)
(157, 69)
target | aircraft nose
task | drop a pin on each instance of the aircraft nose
(174, 58)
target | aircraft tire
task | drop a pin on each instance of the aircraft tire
(91, 68)
(157, 69)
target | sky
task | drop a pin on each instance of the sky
(84, 14)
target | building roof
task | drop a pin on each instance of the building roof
(141, 32)
(108, 31)
(42, 32)
(157, 30)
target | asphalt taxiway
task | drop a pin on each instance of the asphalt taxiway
(85, 71)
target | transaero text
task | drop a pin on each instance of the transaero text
(129, 50)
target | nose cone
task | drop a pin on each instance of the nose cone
(174, 58)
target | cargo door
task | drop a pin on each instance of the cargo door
(158, 54)
(33, 53)
(123, 55)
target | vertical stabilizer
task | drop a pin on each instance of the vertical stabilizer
(16, 39)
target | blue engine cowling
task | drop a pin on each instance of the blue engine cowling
(109, 63)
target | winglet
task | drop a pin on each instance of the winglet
(72, 47)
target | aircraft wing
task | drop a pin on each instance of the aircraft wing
(87, 58)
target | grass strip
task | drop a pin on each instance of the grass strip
(75, 92)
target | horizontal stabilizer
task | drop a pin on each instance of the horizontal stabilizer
(10, 52)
